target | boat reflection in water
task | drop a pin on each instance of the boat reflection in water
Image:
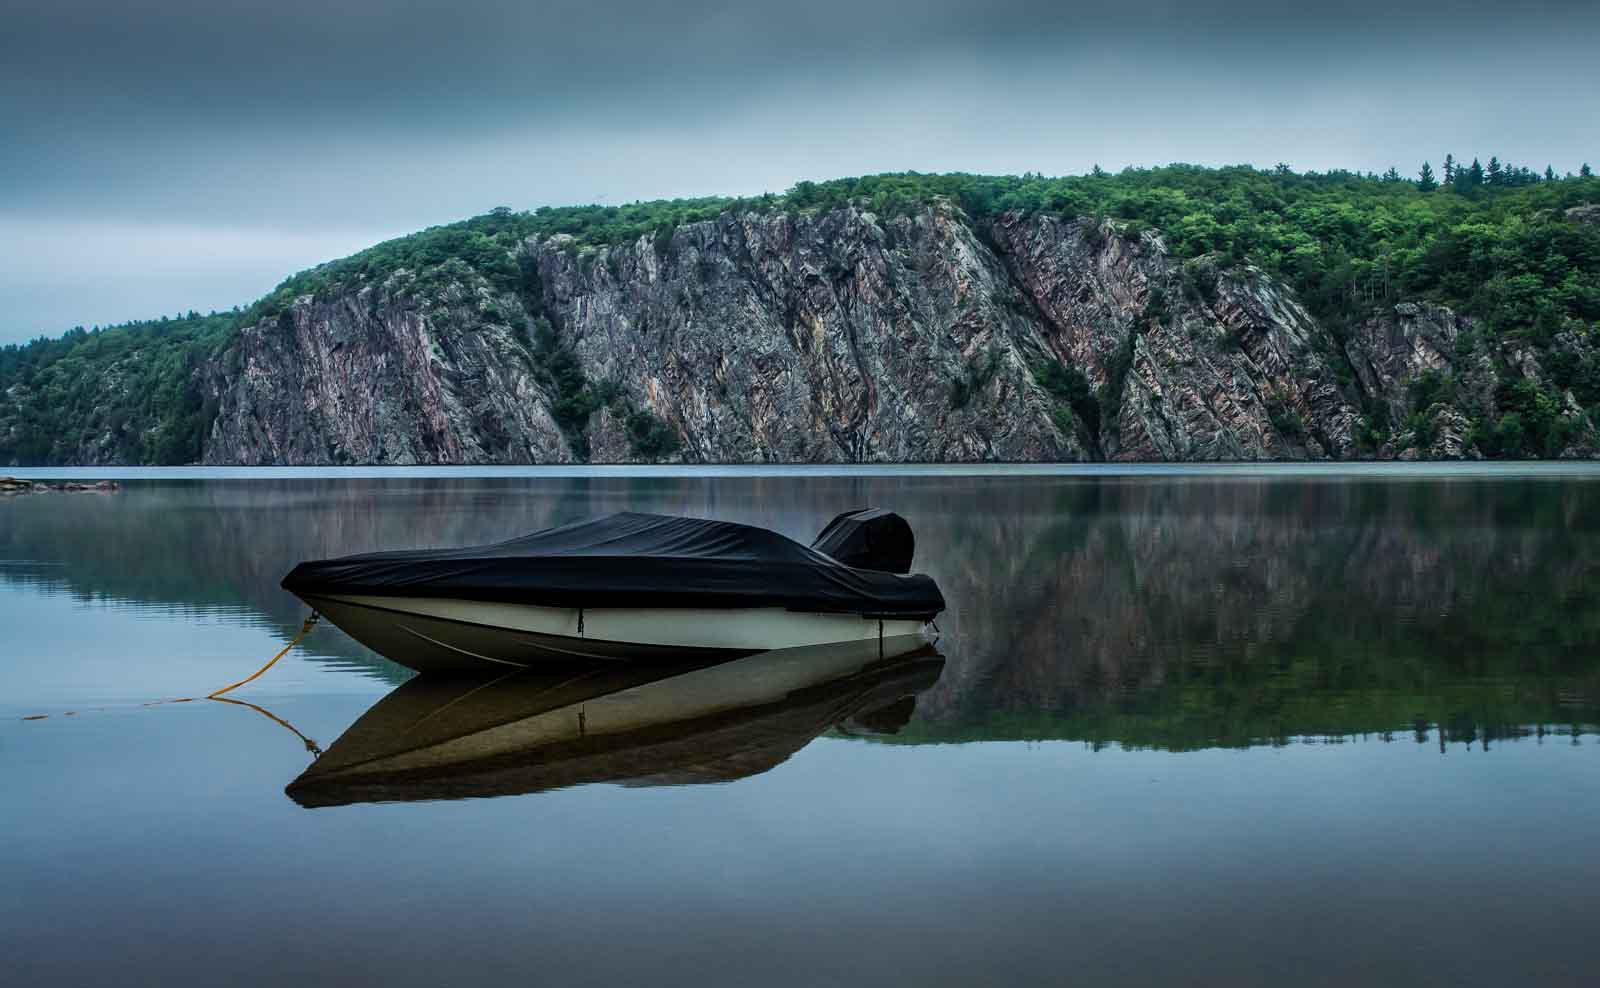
(540, 729)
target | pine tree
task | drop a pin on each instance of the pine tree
(1425, 180)
(1496, 173)
(1549, 174)
(1449, 169)
(1584, 172)
(1474, 175)
(1392, 175)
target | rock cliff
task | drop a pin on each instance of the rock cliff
(380, 377)
(841, 336)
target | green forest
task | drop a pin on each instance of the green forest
(134, 382)
(1492, 240)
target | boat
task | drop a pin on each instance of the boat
(628, 587)
(633, 724)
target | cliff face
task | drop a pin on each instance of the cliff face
(834, 338)
(377, 377)
(839, 337)
(1208, 364)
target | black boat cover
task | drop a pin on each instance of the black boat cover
(869, 538)
(631, 560)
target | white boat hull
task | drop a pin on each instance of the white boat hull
(442, 635)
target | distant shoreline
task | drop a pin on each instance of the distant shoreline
(1333, 470)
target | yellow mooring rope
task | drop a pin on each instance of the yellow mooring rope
(305, 629)
(311, 746)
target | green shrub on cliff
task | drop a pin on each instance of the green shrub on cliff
(574, 398)
(1069, 387)
(649, 438)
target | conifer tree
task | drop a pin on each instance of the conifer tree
(1425, 179)
(1474, 175)
(1584, 172)
(1549, 173)
(1449, 169)
(1496, 172)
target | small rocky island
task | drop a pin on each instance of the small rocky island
(16, 485)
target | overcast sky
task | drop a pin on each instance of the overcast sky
(173, 154)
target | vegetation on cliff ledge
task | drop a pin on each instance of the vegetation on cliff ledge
(1491, 243)
(1514, 248)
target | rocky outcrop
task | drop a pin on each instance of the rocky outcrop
(1433, 381)
(842, 336)
(1588, 213)
(11, 486)
(1190, 362)
(1391, 349)
(378, 376)
(1443, 433)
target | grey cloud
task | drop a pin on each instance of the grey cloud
(248, 64)
(304, 121)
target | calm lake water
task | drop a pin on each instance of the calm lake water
(1180, 727)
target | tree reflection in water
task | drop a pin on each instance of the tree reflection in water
(1177, 612)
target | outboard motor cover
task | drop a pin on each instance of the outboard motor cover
(870, 538)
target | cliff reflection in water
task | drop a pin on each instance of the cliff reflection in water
(631, 724)
(1175, 612)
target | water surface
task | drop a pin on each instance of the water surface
(1253, 726)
